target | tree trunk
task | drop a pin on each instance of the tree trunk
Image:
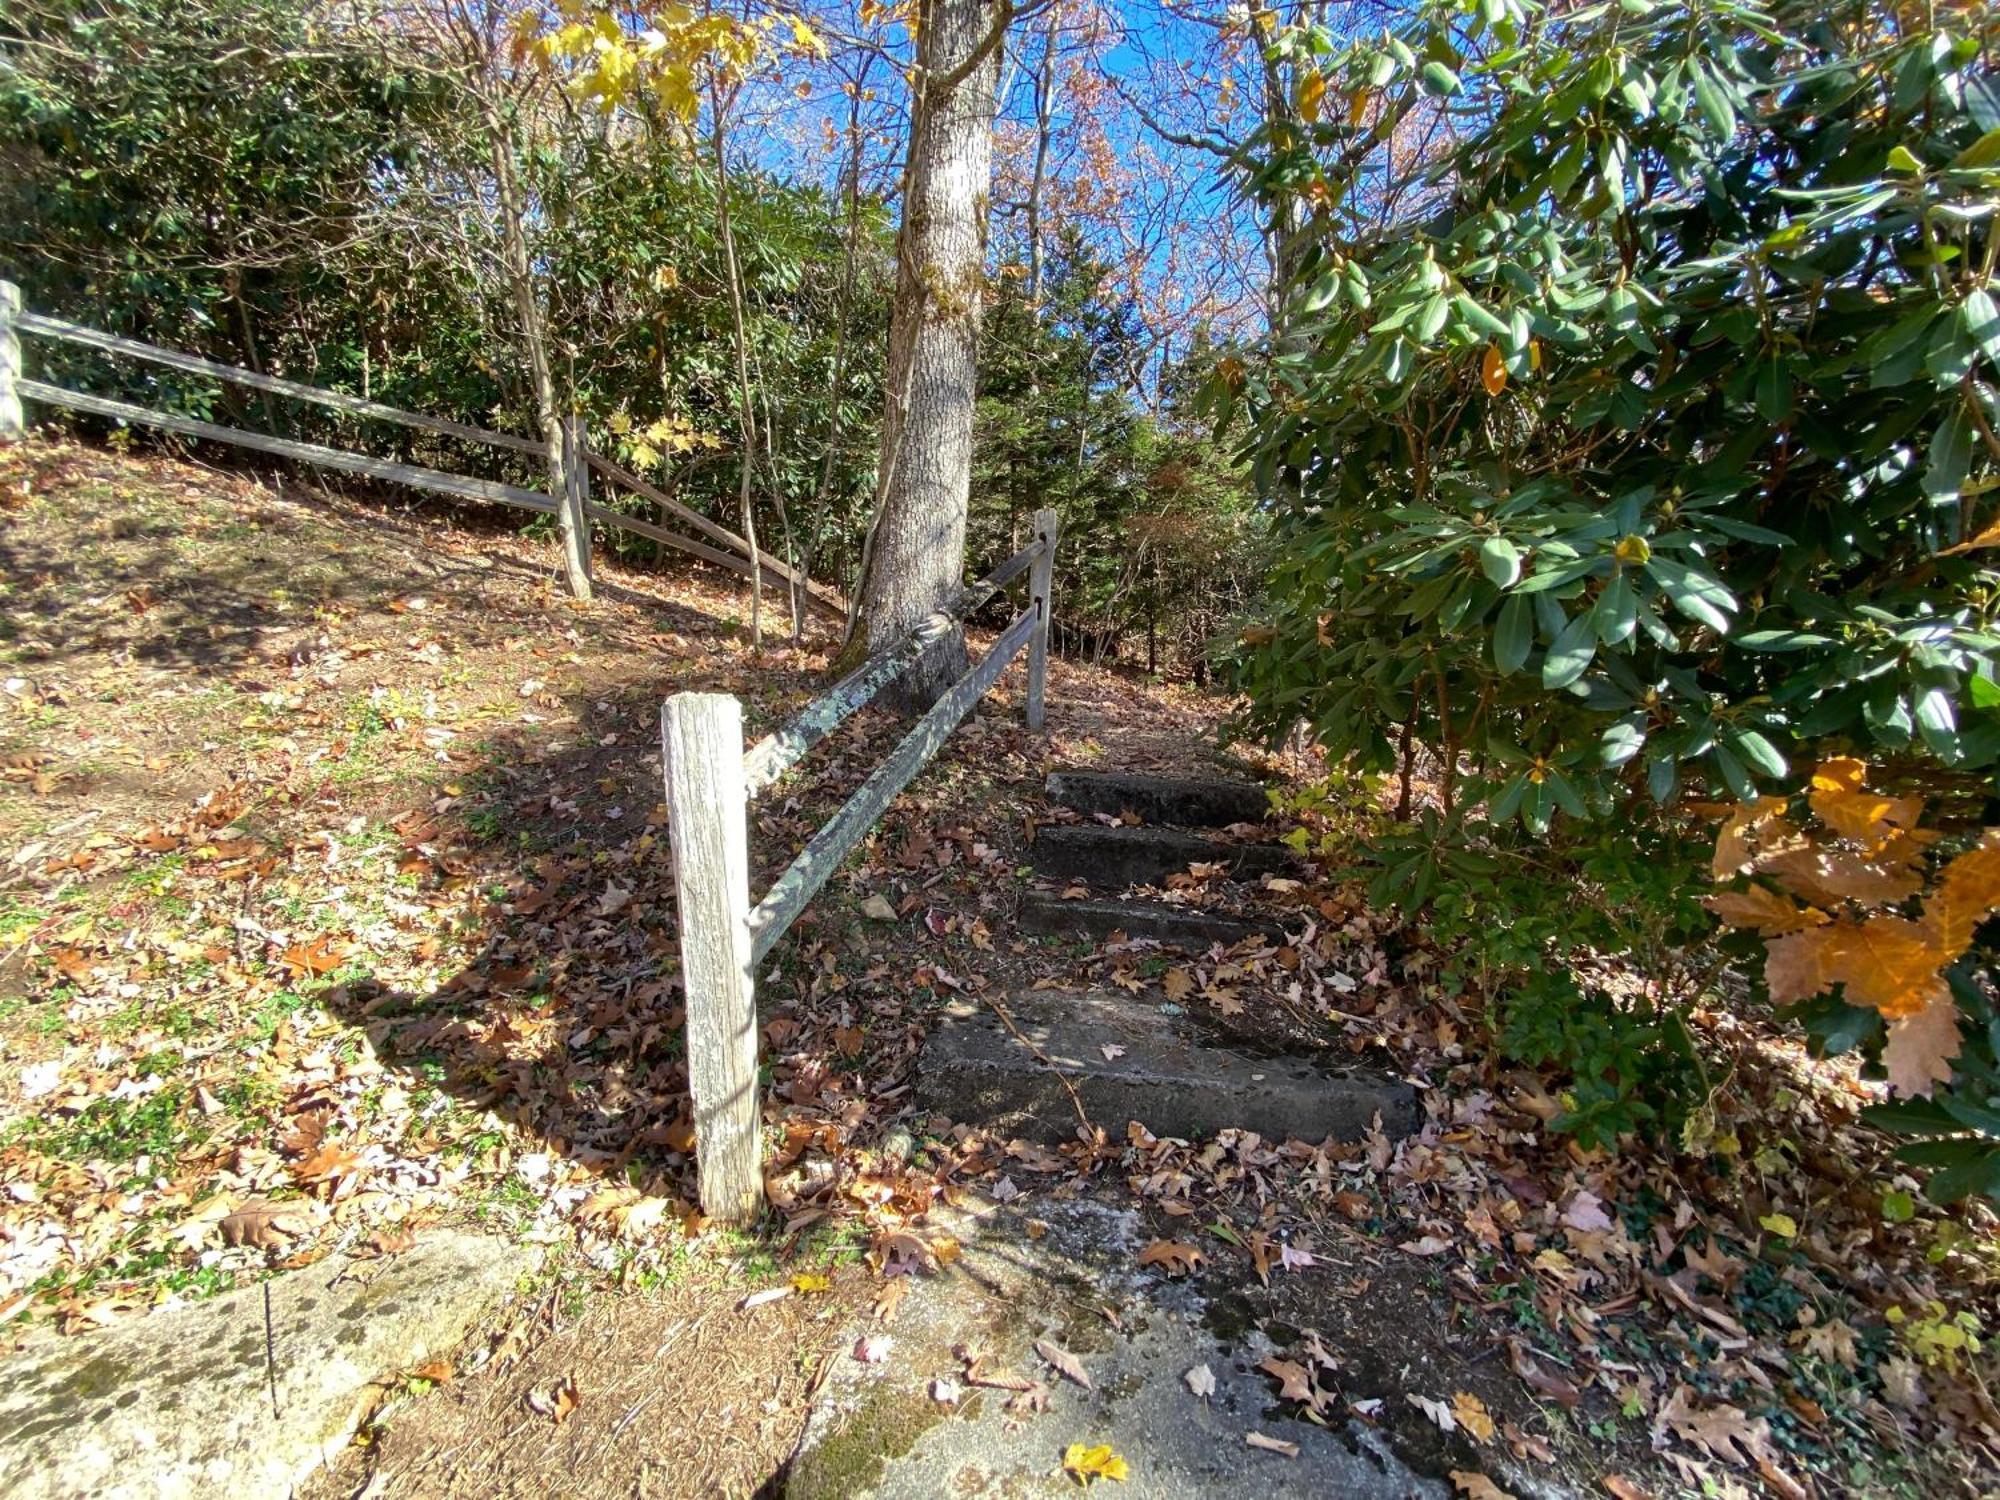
(917, 562)
(1045, 109)
(533, 327)
(746, 412)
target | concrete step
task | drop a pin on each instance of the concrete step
(1160, 1071)
(1041, 1271)
(1196, 930)
(1113, 858)
(1182, 801)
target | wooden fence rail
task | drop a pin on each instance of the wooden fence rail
(710, 780)
(570, 464)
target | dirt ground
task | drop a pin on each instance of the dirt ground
(334, 893)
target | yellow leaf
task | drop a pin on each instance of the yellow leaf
(1732, 843)
(808, 1281)
(1086, 1464)
(1493, 370)
(1990, 537)
(805, 38)
(1840, 800)
(1828, 876)
(1312, 92)
(1472, 1416)
(1784, 1226)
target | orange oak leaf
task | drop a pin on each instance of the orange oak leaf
(1840, 800)
(1887, 963)
(1920, 1048)
(1732, 844)
(1771, 912)
(1172, 1256)
(1966, 892)
(1828, 876)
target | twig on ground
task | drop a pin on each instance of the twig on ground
(1075, 1099)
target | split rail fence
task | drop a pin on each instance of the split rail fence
(710, 778)
(710, 781)
(570, 461)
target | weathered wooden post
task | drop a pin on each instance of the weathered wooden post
(572, 520)
(13, 425)
(708, 821)
(1040, 580)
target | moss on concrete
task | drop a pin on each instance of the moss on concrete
(849, 1462)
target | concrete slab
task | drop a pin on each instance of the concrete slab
(1194, 930)
(1113, 859)
(1161, 1072)
(878, 1431)
(1182, 802)
(226, 1398)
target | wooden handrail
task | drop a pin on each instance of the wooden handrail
(823, 853)
(709, 780)
(311, 453)
(73, 333)
(779, 751)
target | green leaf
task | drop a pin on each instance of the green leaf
(1711, 93)
(1759, 752)
(1440, 80)
(1571, 654)
(1950, 458)
(1902, 159)
(1952, 351)
(1513, 634)
(1500, 560)
(1616, 613)
(1782, 640)
(1734, 776)
(1981, 319)
(1694, 594)
(1774, 391)
(1663, 778)
(1621, 742)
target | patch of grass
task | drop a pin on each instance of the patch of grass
(18, 918)
(175, 1020)
(116, 1130)
(829, 1246)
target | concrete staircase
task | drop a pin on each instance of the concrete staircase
(1175, 832)
(1127, 1057)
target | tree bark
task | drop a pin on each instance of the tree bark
(1045, 109)
(533, 327)
(917, 562)
(746, 412)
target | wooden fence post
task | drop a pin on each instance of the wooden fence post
(572, 514)
(13, 425)
(1048, 527)
(707, 819)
